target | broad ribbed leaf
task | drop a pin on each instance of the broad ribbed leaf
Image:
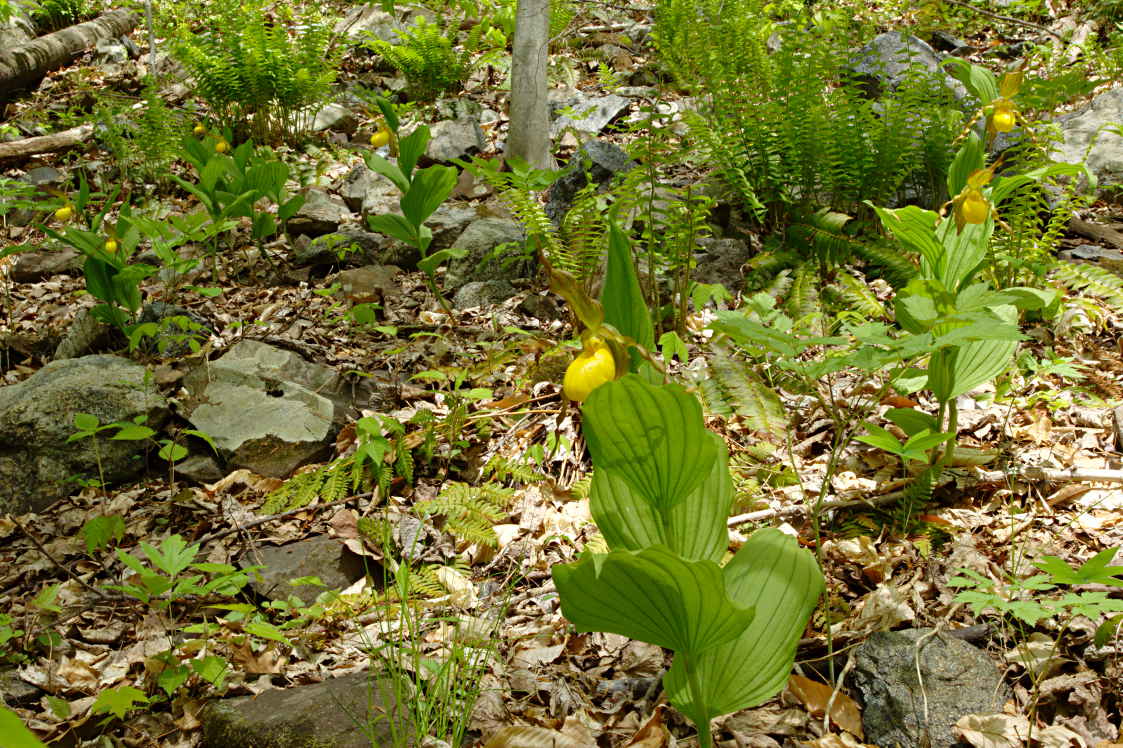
(652, 436)
(430, 188)
(954, 372)
(969, 159)
(914, 228)
(964, 251)
(783, 582)
(652, 595)
(696, 527)
(624, 307)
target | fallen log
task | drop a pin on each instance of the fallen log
(58, 141)
(23, 65)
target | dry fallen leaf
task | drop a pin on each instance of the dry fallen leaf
(994, 730)
(815, 696)
(531, 737)
(653, 734)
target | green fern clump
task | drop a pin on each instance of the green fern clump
(785, 129)
(425, 56)
(144, 139)
(331, 482)
(470, 512)
(261, 77)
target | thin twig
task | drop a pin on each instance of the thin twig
(1008, 19)
(55, 561)
(796, 509)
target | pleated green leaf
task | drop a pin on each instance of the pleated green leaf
(651, 436)
(624, 307)
(782, 582)
(696, 526)
(652, 595)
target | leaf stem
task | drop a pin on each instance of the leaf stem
(703, 727)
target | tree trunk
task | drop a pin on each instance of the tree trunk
(59, 141)
(27, 63)
(529, 135)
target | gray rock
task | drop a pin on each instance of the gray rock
(1091, 253)
(335, 117)
(14, 690)
(321, 214)
(542, 307)
(461, 138)
(478, 241)
(371, 282)
(605, 161)
(110, 50)
(83, 335)
(482, 293)
(268, 409)
(589, 113)
(323, 557)
(367, 191)
(367, 21)
(720, 261)
(37, 417)
(349, 246)
(46, 176)
(955, 679)
(346, 712)
(883, 64)
(200, 468)
(1079, 128)
(177, 328)
(35, 266)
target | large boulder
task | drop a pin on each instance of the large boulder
(350, 711)
(479, 262)
(321, 214)
(604, 161)
(1087, 124)
(37, 418)
(883, 65)
(267, 409)
(915, 684)
(589, 114)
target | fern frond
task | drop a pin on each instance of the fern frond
(470, 512)
(329, 482)
(887, 261)
(1090, 279)
(733, 388)
(855, 294)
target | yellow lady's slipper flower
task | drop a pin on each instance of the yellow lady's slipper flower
(199, 129)
(973, 208)
(65, 213)
(1003, 119)
(221, 146)
(380, 138)
(592, 368)
(110, 245)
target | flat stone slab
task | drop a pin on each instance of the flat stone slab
(345, 712)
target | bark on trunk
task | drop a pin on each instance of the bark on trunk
(529, 135)
(27, 63)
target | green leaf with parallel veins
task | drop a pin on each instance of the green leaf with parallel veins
(16, 735)
(652, 436)
(624, 307)
(652, 595)
(782, 582)
(695, 528)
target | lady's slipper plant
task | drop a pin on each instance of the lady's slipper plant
(661, 494)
